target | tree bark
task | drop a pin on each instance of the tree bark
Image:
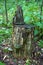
(6, 11)
(41, 11)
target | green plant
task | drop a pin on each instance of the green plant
(40, 43)
(2, 63)
(28, 62)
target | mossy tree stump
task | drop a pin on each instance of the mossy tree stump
(22, 34)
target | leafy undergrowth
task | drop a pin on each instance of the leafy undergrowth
(2, 63)
(31, 13)
(40, 43)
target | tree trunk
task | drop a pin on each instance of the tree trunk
(41, 11)
(6, 11)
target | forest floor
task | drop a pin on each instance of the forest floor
(8, 59)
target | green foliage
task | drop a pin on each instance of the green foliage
(2, 63)
(5, 33)
(40, 43)
(39, 24)
(31, 12)
(28, 62)
(36, 32)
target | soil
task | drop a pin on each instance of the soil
(8, 60)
